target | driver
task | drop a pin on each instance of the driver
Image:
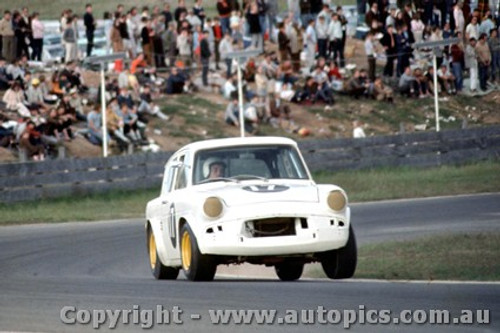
(214, 168)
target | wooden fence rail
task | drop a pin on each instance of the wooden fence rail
(56, 178)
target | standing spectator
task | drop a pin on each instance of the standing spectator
(371, 55)
(7, 35)
(322, 35)
(494, 45)
(388, 41)
(205, 55)
(283, 43)
(132, 22)
(22, 32)
(472, 29)
(471, 63)
(184, 46)
(305, 12)
(180, 10)
(458, 15)
(37, 28)
(484, 61)
(457, 60)
(335, 36)
(90, 24)
(108, 27)
(403, 42)
(224, 10)
(225, 47)
(158, 27)
(263, 8)
(169, 39)
(70, 37)
(487, 25)
(296, 45)
(115, 37)
(417, 28)
(121, 26)
(310, 40)
(218, 36)
(199, 11)
(343, 22)
(437, 36)
(167, 14)
(147, 35)
(254, 26)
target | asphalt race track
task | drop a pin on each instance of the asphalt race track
(103, 265)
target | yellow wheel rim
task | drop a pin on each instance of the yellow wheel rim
(152, 250)
(186, 251)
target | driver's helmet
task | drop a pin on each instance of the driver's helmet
(208, 164)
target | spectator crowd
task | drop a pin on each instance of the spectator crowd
(177, 49)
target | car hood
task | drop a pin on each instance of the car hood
(257, 192)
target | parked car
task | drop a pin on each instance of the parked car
(235, 200)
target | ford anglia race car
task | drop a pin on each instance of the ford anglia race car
(229, 201)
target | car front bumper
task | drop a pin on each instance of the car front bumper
(231, 237)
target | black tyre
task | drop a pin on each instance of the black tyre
(289, 271)
(341, 263)
(196, 266)
(160, 271)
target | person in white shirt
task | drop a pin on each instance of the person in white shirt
(417, 27)
(472, 29)
(358, 131)
(322, 35)
(458, 15)
(225, 47)
(335, 36)
(37, 28)
(371, 55)
(184, 46)
(311, 41)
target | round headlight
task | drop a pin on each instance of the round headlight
(212, 207)
(336, 200)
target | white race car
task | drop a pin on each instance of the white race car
(229, 201)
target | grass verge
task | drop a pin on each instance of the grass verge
(399, 183)
(447, 257)
(363, 185)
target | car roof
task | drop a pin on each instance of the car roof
(239, 141)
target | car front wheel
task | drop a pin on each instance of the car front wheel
(289, 271)
(341, 263)
(160, 271)
(196, 266)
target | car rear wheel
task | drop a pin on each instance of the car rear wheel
(160, 271)
(289, 271)
(196, 266)
(341, 263)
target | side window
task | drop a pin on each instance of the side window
(181, 175)
(167, 180)
(168, 177)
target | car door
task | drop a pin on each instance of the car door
(171, 200)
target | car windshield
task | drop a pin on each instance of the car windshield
(262, 162)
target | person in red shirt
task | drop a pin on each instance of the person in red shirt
(138, 62)
(218, 35)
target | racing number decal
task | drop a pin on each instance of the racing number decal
(172, 230)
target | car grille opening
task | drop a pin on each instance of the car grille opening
(271, 227)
